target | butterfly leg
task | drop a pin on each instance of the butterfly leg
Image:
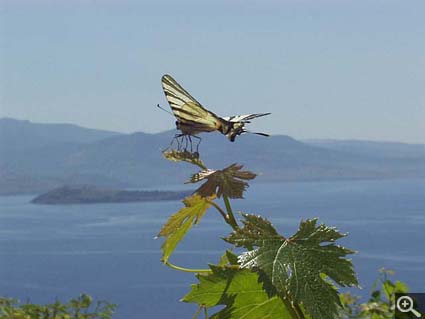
(197, 144)
(179, 143)
(172, 142)
(185, 143)
(176, 139)
(182, 142)
(191, 145)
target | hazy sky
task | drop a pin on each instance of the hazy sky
(325, 69)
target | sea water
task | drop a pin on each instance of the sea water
(110, 252)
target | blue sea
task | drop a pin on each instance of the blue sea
(110, 252)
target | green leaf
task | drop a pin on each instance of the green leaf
(295, 266)
(400, 287)
(228, 258)
(184, 156)
(256, 229)
(85, 300)
(229, 181)
(179, 224)
(240, 292)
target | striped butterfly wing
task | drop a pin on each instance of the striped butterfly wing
(244, 118)
(192, 118)
(238, 122)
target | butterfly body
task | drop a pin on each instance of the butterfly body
(192, 118)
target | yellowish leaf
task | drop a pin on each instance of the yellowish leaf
(179, 224)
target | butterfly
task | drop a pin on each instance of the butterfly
(192, 118)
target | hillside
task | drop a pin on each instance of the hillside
(28, 135)
(372, 148)
(135, 160)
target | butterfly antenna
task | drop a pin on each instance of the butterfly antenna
(160, 107)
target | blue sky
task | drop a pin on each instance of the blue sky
(325, 69)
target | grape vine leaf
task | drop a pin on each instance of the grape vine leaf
(184, 156)
(179, 224)
(299, 266)
(230, 181)
(239, 290)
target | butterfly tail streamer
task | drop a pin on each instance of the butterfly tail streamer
(257, 133)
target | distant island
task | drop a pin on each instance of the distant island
(89, 194)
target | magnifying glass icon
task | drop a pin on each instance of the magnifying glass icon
(405, 304)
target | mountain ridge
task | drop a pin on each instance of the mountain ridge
(134, 160)
(34, 135)
(378, 148)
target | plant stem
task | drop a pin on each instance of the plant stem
(187, 269)
(299, 312)
(231, 218)
(220, 210)
(293, 308)
(197, 312)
